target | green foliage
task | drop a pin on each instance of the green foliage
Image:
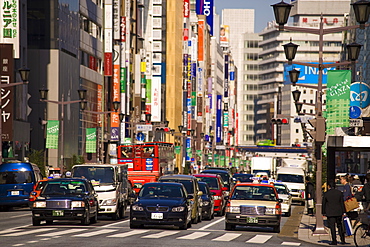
(37, 157)
(76, 160)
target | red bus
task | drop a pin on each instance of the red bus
(146, 161)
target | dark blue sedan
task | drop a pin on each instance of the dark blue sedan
(162, 204)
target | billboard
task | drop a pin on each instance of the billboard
(10, 24)
(224, 35)
(307, 75)
(205, 7)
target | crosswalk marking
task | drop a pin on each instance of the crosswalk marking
(291, 243)
(128, 234)
(259, 239)
(89, 234)
(28, 232)
(227, 237)
(9, 230)
(161, 234)
(51, 234)
(194, 235)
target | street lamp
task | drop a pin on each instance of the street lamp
(43, 98)
(281, 11)
(116, 105)
(24, 73)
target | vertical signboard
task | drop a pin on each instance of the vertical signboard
(116, 19)
(52, 133)
(9, 27)
(100, 103)
(218, 118)
(116, 95)
(90, 140)
(201, 25)
(224, 35)
(156, 99)
(108, 38)
(7, 69)
(205, 7)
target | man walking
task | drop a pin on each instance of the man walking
(333, 208)
(310, 196)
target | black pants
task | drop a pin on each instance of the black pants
(332, 220)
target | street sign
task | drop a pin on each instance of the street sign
(356, 123)
(144, 127)
(140, 136)
(220, 147)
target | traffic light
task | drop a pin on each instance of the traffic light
(318, 132)
(280, 121)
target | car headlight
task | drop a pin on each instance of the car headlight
(205, 203)
(270, 211)
(39, 204)
(109, 202)
(78, 204)
(178, 209)
(137, 208)
(233, 209)
(216, 197)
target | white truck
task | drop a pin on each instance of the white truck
(262, 165)
(111, 184)
(293, 177)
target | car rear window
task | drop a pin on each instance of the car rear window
(212, 182)
(254, 193)
(166, 191)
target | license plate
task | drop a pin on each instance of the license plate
(14, 192)
(157, 216)
(252, 220)
(58, 213)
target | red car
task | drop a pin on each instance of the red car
(37, 188)
(215, 184)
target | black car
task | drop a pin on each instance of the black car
(66, 199)
(162, 204)
(226, 176)
(208, 205)
(243, 177)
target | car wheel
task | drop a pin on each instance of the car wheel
(277, 229)
(133, 226)
(189, 224)
(115, 216)
(36, 222)
(86, 220)
(184, 226)
(213, 216)
(49, 222)
(302, 203)
(95, 218)
(229, 226)
(122, 211)
(195, 220)
(289, 213)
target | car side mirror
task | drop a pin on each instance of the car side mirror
(225, 188)
(280, 200)
(189, 197)
(33, 193)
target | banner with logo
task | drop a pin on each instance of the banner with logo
(177, 149)
(90, 140)
(337, 99)
(52, 134)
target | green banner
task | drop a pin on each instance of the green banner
(177, 149)
(52, 133)
(337, 99)
(90, 140)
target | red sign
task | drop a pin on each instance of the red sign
(108, 64)
(186, 8)
(123, 29)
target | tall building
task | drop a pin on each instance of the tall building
(275, 90)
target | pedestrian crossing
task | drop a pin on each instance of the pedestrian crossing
(216, 236)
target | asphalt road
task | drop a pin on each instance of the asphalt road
(16, 230)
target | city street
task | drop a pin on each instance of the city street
(16, 230)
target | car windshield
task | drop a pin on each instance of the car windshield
(212, 182)
(253, 193)
(188, 184)
(281, 189)
(225, 177)
(290, 178)
(97, 175)
(165, 191)
(64, 188)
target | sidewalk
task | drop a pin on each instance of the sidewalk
(305, 233)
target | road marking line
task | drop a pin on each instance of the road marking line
(89, 234)
(127, 234)
(9, 230)
(194, 235)
(161, 234)
(116, 223)
(32, 242)
(227, 237)
(291, 243)
(18, 244)
(28, 232)
(22, 215)
(51, 234)
(259, 239)
(211, 224)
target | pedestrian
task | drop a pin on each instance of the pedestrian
(310, 196)
(356, 180)
(333, 208)
(364, 194)
(347, 191)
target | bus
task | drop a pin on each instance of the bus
(146, 161)
(17, 180)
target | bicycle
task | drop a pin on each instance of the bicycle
(362, 235)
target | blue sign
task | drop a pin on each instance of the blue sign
(149, 164)
(307, 75)
(218, 118)
(360, 95)
(205, 7)
(354, 112)
(140, 136)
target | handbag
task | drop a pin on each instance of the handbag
(351, 204)
(310, 203)
(347, 226)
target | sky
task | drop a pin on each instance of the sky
(262, 10)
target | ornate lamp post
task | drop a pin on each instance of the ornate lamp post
(281, 11)
(43, 98)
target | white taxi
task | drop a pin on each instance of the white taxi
(284, 194)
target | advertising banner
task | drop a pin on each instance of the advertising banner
(218, 118)
(205, 7)
(360, 97)
(7, 102)
(52, 133)
(307, 75)
(337, 100)
(10, 24)
(201, 26)
(90, 140)
(224, 35)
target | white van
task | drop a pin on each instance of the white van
(294, 179)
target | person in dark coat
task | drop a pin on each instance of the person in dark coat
(347, 192)
(364, 194)
(333, 208)
(309, 194)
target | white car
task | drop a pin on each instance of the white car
(284, 194)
